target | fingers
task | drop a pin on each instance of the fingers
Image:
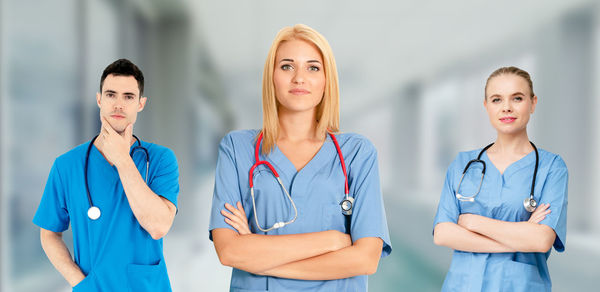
(237, 226)
(128, 132)
(540, 209)
(236, 218)
(241, 208)
(540, 213)
(541, 216)
(241, 228)
(104, 127)
(107, 127)
(235, 211)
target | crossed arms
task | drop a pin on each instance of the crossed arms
(475, 233)
(324, 255)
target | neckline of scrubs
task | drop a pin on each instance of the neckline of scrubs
(286, 165)
(513, 167)
(95, 154)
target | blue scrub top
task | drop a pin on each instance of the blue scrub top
(317, 190)
(114, 251)
(501, 197)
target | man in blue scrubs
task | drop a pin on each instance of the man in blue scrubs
(121, 250)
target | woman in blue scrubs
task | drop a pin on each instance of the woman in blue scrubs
(498, 244)
(313, 245)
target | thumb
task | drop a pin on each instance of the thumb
(129, 131)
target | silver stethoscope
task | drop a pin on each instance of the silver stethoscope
(346, 204)
(529, 203)
(94, 212)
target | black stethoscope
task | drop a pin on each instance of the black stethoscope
(346, 203)
(529, 203)
(94, 212)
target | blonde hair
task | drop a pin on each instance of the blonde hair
(328, 116)
(510, 70)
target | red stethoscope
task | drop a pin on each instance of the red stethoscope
(346, 204)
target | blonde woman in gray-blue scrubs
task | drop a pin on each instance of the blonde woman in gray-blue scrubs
(281, 206)
(504, 206)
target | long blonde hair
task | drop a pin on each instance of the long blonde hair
(328, 113)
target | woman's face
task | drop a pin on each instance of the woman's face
(298, 76)
(509, 104)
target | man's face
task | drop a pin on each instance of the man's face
(120, 101)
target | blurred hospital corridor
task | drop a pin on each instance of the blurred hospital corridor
(412, 78)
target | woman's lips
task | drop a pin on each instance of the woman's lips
(507, 120)
(299, 91)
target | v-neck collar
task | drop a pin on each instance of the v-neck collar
(513, 167)
(99, 159)
(282, 163)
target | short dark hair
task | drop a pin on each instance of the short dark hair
(124, 67)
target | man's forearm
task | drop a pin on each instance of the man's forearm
(60, 257)
(154, 213)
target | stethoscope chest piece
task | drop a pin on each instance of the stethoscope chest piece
(530, 204)
(347, 205)
(93, 212)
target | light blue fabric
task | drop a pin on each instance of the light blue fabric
(114, 251)
(501, 197)
(316, 189)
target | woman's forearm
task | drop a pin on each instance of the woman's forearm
(520, 236)
(456, 237)
(256, 253)
(362, 258)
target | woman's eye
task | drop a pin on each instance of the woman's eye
(286, 67)
(518, 98)
(314, 68)
(495, 100)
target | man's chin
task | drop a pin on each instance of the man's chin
(119, 129)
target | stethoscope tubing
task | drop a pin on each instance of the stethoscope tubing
(86, 165)
(272, 169)
(460, 197)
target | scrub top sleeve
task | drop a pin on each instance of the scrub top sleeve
(554, 192)
(368, 214)
(52, 212)
(226, 185)
(165, 182)
(448, 208)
